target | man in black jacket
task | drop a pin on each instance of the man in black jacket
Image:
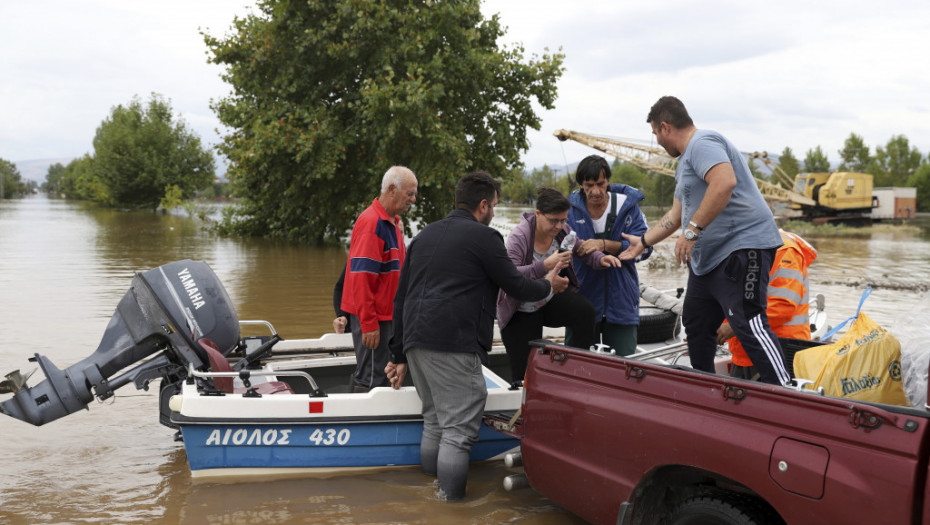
(444, 321)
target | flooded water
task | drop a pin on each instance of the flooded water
(63, 269)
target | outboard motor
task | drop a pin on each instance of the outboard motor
(165, 312)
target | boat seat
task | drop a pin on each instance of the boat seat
(219, 363)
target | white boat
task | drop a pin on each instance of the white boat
(242, 434)
(263, 405)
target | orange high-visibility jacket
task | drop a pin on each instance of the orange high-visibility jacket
(788, 299)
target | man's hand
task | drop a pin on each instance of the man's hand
(339, 324)
(559, 283)
(609, 260)
(589, 246)
(724, 333)
(634, 249)
(395, 374)
(372, 338)
(683, 249)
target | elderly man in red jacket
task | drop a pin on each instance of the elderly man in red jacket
(376, 255)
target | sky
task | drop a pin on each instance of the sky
(768, 75)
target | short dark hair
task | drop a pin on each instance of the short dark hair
(590, 168)
(549, 200)
(670, 110)
(475, 187)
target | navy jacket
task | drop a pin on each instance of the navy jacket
(447, 296)
(613, 291)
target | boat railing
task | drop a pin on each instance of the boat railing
(258, 322)
(246, 374)
(673, 351)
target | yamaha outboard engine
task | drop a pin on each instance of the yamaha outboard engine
(165, 312)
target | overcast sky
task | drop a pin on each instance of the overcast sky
(766, 74)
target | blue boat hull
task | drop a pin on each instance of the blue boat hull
(326, 446)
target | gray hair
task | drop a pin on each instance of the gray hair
(395, 175)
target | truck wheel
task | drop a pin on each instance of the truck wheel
(656, 325)
(722, 508)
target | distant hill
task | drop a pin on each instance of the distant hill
(37, 169)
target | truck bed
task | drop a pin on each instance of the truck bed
(616, 440)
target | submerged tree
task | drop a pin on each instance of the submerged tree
(53, 178)
(11, 181)
(327, 94)
(139, 151)
(79, 182)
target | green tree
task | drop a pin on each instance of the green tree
(53, 178)
(327, 94)
(855, 154)
(140, 150)
(520, 187)
(894, 163)
(80, 182)
(11, 181)
(815, 161)
(753, 169)
(921, 180)
(788, 162)
(631, 175)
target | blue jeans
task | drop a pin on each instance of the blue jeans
(453, 392)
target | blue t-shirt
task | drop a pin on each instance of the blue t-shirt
(746, 221)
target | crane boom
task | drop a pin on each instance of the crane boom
(658, 161)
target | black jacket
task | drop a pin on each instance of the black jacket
(447, 296)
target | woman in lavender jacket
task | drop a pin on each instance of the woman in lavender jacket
(533, 246)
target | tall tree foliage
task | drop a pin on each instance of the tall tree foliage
(788, 162)
(11, 181)
(521, 188)
(53, 178)
(921, 180)
(815, 161)
(855, 154)
(895, 163)
(327, 94)
(141, 150)
(79, 182)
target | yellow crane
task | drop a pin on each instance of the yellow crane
(658, 161)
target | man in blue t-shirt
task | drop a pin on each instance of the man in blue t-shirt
(728, 241)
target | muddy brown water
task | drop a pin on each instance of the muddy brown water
(64, 267)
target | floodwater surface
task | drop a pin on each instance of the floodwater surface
(65, 266)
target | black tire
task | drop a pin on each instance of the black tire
(656, 325)
(722, 508)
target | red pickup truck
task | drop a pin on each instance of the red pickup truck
(620, 441)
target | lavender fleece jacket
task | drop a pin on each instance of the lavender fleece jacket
(520, 249)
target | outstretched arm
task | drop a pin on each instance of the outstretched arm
(668, 224)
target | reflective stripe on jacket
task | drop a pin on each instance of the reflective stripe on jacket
(788, 300)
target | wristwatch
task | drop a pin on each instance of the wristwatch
(691, 235)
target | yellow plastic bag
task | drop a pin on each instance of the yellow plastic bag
(864, 364)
